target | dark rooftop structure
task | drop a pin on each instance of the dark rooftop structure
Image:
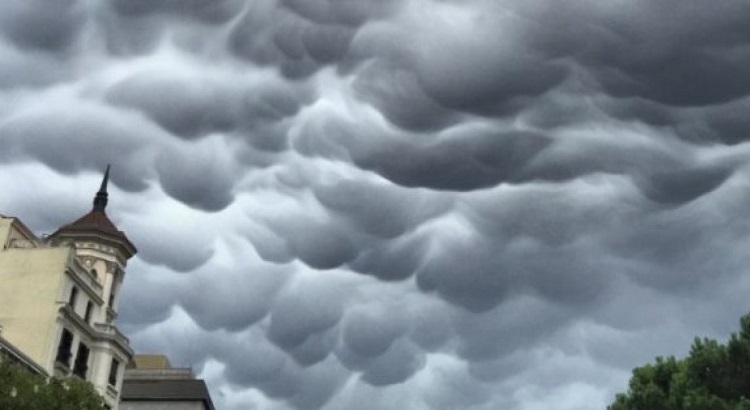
(177, 390)
(150, 383)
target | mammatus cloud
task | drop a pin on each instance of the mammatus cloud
(398, 204)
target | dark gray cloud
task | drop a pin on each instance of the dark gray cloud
(396, 93)
(298, 46)
(180, 106)
(693, 58)
(86, 137)
(349, 13)
(48, 27)
(28, 70)
(431, 204)
(201, 178)
(203, 10)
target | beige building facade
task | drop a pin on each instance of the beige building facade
(59, 295)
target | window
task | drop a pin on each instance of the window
(73, 297)
(82, 361)
(63, 350)
(113, 369)
(89, 309)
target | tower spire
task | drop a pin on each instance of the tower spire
(100, 200)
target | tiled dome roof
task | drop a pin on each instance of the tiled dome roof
(96, 221)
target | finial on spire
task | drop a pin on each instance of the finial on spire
(100, 200)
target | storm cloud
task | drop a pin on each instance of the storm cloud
(412, 204)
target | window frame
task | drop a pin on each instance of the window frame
(114, 372)
(81, 364)
(65, 348)
(73, 297)
(89, 312)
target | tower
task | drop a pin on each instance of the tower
(101, 247)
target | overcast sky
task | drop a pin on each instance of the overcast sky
(396, 204)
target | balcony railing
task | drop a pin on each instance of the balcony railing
(111, 330)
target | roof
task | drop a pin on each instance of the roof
(96, 222)
(166, 390)
(22, 228)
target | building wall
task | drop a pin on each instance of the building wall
(101, 361)
(29, 297)
(162, 405)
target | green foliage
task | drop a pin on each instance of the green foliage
(22, 390)
(712, 377)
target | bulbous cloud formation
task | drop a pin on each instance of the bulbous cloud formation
(423, 204)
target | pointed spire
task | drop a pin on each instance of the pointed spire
(100, 201)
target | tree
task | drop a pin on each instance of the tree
(22, 390)
(712, 377)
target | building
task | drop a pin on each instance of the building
(59, 294)
(151, 383)
(12, 354)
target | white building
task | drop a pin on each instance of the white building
(58, 297)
